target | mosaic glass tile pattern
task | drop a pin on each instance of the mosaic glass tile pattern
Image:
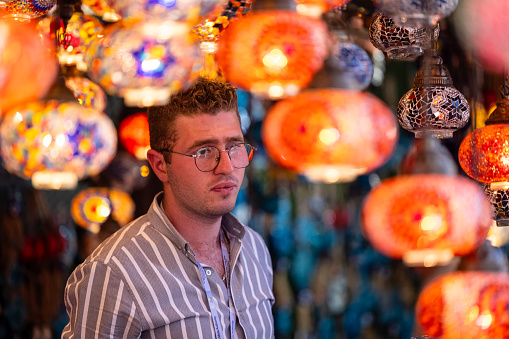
(88, 93)
(499, 199)
(320, 133)
(426, 211)
(354, 66)
(417, 12)
(397, 41)
(484, 154)
(437, 110)
(25, 9)
(58, 137)
(465, 305)
(278, 57)
(143, 64)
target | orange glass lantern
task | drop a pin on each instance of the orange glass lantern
(134, 135)
(465, 305)
(330, 135)
(273, 54)
(92, 206)
(27, 68)
(426, 219)
(317, 7)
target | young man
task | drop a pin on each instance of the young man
(188, 268)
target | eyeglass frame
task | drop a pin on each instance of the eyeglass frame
(218, 159)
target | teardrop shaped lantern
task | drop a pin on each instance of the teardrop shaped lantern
(399, 42)
(426, 219)
(134, 135)
(55, 143)
(417, 13)
(316, 8)
(433, 106)
(465, 305)
(499, 199)
(144, 62)
(25, 10)
(92, 206)
(330, 135)
(27, 68)
(88, 93)
(273, 54)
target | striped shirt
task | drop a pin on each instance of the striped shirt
(143, 282)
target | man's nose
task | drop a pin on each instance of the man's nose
(225, 164)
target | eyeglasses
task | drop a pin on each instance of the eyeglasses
(207, 158)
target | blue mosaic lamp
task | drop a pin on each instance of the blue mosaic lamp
(433, 106)
(417, 13)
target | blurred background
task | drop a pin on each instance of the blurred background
(382, 204)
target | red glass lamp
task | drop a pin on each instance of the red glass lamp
(134, 135)
(273, 54)
(465, 305)
(320, 133)
(426, 219)
(27, 68)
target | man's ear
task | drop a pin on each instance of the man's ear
(158, 164)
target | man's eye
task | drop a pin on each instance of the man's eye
(203, 152)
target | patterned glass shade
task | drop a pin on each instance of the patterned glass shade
(433, 106)
(417, 13)
(465, 305)
(425, 219)
(45, 138)
(27, 70)
(278, 57)
(144, 62)
(317, 7)
(191, 11)
(484, 154)
(134, 135)
(101, 9)
(87, 93)
(397, 41)
(92, 206)
(499, 199)
(25, 10)
(353, 64)
(320, 133)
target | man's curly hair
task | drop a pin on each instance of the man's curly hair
(205, 96)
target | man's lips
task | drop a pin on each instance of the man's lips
(224, 187)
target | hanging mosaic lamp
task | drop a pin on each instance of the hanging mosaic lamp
(417, 13)
(319, 133)
(484, 156)
(56, 143)
(144, 62)
(278, 57)
(210, 30)
(316, 8)
(428, 155)
(399, 42)
(87, 93)
(101, 9)
(24, 64)
(134, 135)
(465, 305)
(433, 106)
(352, 63)
(426, 219)
(92, 206)
(25, 10)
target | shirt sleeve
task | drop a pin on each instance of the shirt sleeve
(99, 304)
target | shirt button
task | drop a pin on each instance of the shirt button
(208, 272)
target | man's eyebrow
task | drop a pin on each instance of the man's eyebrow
(203, 142)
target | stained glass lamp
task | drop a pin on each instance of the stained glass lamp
(426, 219)
(319, 133)
(465, 305)
(316, 8)
(92, 206)
(278, 57)
(484, 156)
(101, 9)
(433, 106)
(88, 93)
(25, 64)
(144, 62)
(417, 13)
(55, 144)
(134, 135)
(399, 42)
(25, 10)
